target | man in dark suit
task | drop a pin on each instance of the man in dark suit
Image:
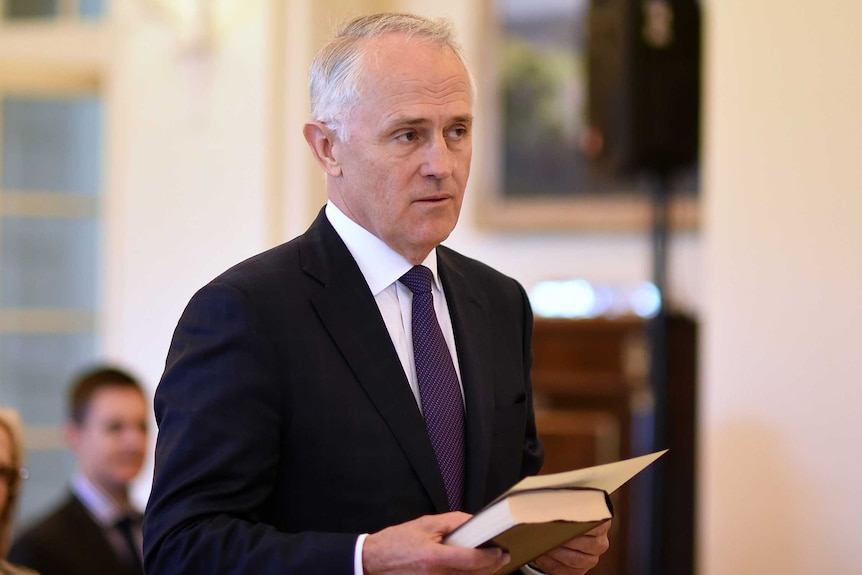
(297, 432)
(96, 530)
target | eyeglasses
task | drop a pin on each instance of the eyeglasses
(10, 474)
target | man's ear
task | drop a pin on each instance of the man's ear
(72, 435)
(321, 140)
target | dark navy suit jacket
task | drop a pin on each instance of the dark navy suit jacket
(287, 426)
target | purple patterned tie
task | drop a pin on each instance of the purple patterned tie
(439, 390)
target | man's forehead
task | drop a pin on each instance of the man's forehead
(412, 97)
(392, 54)
(112, 399)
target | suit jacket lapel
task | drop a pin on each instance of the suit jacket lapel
(89, 535)
(468, 308)
(349, 313)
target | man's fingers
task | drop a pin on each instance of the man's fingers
(579, 555)
(566, 561)
(589, 544)
(415, 547)
(600, 529)
(444, 523)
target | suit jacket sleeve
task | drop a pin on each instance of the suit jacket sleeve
(219, 414)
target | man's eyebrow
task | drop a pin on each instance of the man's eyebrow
(405, 121)
(411, 121)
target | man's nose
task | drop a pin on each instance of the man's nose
(438, 159)
(134, 434)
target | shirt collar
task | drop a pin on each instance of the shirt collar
(102, 506)
(380, 264)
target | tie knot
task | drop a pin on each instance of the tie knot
(418, 279)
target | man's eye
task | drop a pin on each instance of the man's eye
(458, 132)
(407, 136)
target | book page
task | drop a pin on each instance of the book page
(608, 477)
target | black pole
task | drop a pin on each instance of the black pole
(657, 333)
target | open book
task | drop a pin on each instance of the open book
(543, 511)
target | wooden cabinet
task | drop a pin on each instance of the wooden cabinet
(595, 404)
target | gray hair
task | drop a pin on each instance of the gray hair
(339, 66)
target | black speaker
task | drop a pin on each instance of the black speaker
(643, 85)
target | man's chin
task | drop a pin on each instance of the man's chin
(125, 476)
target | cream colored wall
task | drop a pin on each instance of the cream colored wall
(187, 178)
(781, 418)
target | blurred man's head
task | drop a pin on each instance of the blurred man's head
(107, 428)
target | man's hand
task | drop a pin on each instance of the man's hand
(416, 547)
(578, 555)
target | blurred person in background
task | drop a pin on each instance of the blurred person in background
(96, 530)
(12, 474)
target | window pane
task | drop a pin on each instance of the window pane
(31, 9)
(52, 145)
(35, 371)
(92, 9)
(48, 484)
(49, 263)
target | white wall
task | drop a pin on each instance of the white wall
(781, 418)
(187, 178)
(188, 174)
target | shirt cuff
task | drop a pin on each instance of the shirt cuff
(357, 555)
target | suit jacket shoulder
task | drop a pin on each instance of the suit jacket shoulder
(67, 542)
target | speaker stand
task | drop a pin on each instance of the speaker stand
(657, 335)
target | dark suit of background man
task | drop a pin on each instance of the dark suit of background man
(96, 530)
(289, 425)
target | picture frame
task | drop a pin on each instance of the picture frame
(533, 173)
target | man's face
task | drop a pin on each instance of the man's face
(405, 165)
(111, 441)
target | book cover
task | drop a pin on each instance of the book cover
(541, 512)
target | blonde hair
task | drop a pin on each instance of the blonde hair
(11, 423)
(338, 67)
